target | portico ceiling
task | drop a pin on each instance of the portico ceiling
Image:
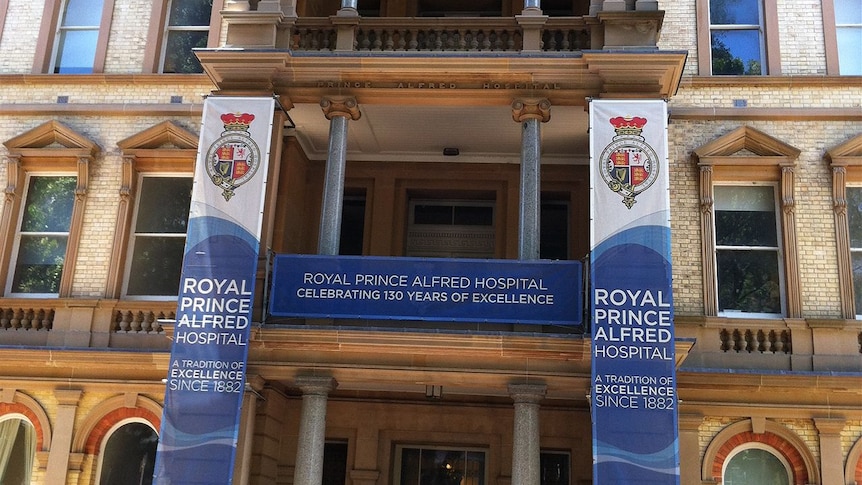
(414, 106)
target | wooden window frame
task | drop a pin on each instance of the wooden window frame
(770, 39)
(156, 34)
(36, 152)
(44, 59)
(846, 164)
(748, 155)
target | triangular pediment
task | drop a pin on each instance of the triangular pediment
(54, 137)
(847, 153)
(746, 143)
(165, 135)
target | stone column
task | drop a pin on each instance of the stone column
(831, 456)
(525, 436)
(349, 4)
(338, 111)
(61, 439)
(530, 112)
(532, 4)
(312, 429)
(689, 448)
(242, 464)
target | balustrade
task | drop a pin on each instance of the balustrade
(462, 34)
(36, 319)
(139, 321)
(762, 341)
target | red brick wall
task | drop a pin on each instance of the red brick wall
(8, 408)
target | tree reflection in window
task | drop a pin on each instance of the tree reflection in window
(188, 28)
(736, 34)
(44, 234)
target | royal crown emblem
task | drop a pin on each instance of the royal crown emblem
(234, 157)
(628, 164)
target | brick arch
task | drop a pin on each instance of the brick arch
(34, 413)
(853, 467)
(784, 441)
(94, 440)
(108, 413)
(779, 444)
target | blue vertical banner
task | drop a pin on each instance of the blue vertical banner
(633, 397)
(206, 373)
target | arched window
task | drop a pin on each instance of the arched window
(17, 450)
(756, 465)
(129, 455)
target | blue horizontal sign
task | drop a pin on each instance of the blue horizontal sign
(467, 290)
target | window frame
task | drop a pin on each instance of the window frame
(19, 234)
(764, 160)
(777, 250)
(830, 37)
(762, 447)
(49, 30)
(34, 152)
(133, 235)
(846, 164)
(157, 34)
(107, 438)
(771, 45)
(399, 457)
(165, 148)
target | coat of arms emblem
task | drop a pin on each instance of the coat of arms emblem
(234, 157)
(628, 164)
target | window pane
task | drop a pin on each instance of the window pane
(410, 466)
(130, 456)
(848, 12)
(736, 52)
(755, 467)
(467, 215)
(745, 216)
(18, 464)
(856, 261)
(39, 264)
(554, 468)
(83, 13)
(432, 214)
(190, 12)
(76, 51)
(49, 204)
(164, 205)
(334, 463)
(475, 469)
(849, 53)
(554, 222)
(179, 57)
(727, 12)
(156, 266)
(854, 215)
(748, 281)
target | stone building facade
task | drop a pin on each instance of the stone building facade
(111, 99)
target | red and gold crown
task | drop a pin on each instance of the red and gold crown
(237, 121)
(628, 125)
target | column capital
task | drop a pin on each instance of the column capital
(316, 385)
(527, 393)
(344, 106)
(830, 426)
(68, 397)
(524, 109)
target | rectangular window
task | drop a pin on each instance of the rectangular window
(554, 230)
(737, 37)
(40, 246)
(439, 466)
(352, 226)
(848, 30)
(158, 237)
(77, 37)
(554, 468)
(451, 229)
(854, 222)
(334, 463)
(747, 250)
(187, 28)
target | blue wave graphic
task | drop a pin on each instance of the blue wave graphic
(202, 228)
(662, 461)
(173, 439)
(653, 237)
